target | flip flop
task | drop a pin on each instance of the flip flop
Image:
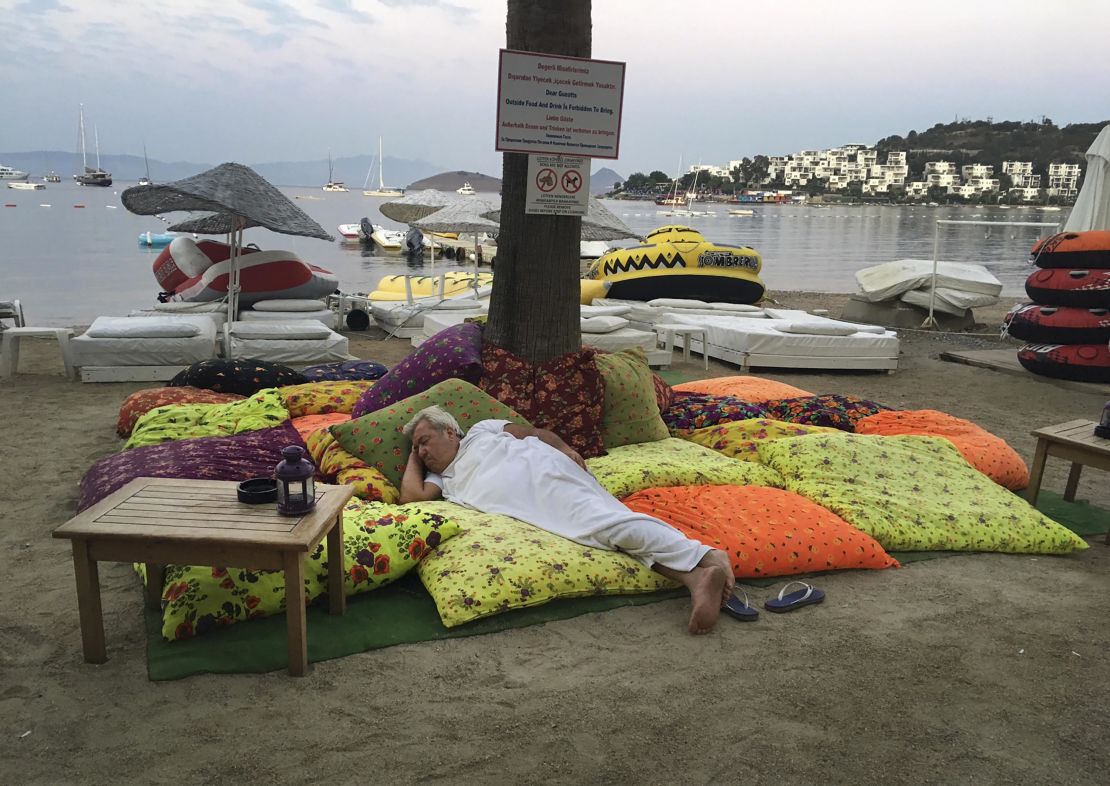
(795, 600)
(740, 609)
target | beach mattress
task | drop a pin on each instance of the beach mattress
(949, 301)
(891, 279)
(325, 316)
(279, 342)
(145, 350)
(623, 338)
(216, 311)
(778, 337)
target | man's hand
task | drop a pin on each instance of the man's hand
(575, 457)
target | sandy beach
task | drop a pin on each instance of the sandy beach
(982, 668)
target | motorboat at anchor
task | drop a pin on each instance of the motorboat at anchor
(21, 185)
(466, 190)
(10, 173)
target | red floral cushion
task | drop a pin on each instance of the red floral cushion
(142, 401)
(565, 395)
(664, 393)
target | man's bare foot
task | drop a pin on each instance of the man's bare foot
(706, 585)
(720, 559)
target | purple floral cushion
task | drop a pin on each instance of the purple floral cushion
(343, 371)
(830, 410)
(690, 411)
(249, 455)
(453, 353)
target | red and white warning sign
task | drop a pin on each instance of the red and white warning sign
(557, 185)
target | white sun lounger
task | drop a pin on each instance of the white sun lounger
(802, 341)
(293, 342)
(142, 349)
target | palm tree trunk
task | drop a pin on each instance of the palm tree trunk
(534, 311)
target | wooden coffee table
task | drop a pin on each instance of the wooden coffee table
(1074, 441)
(162, 521)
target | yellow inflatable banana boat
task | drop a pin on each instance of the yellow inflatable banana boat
(453, 283)
(677, 262)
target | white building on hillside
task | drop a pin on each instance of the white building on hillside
(1021, 174)
(1063, 180)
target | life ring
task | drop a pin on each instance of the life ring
(1062, 287)
(1059, 324)
(1079, 362)
(1073, 250)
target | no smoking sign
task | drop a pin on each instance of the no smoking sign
(557, 185)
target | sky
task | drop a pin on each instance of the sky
(706, 81)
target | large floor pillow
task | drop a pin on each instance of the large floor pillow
(306, 425)
(264, 409)
(764, 531)
(452, 353)
(236, 376)
(239, 457)
(674, 462)
(984, 451)
(631, 413)
(664, 393)
(691, 411)
(381, 543)
(348, 370)
(740, 439)
(754, 390)
(565, 395)
(831, 410)
(914, 494)
(334, 464)
(499, 563)
(322, 398)
(142, 401)
(377, 438)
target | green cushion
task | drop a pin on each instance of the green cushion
(377, 438)
(674, 462)
(265, 409)
(381, 543)
(499, 563)
(631, 413)
(913, 493)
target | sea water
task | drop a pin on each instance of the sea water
(71, 253)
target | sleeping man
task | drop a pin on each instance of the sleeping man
(532, 475)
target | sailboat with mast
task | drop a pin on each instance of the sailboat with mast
(381, 190)
(90, 176)
(145, 179)
(334, 185)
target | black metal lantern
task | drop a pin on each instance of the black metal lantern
(1103, 427)
(296, 488)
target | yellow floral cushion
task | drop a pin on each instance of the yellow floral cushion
(674, 462)
(323, 398)
(381, 543)
(333, 462)
(740, 439)
(913, 493)
(265, 409)
(498, 563)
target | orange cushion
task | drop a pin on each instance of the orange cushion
(306, 424)
(754, 390)
(764, 531)
(984, 451)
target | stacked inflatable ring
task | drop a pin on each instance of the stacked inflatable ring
(1067, 326)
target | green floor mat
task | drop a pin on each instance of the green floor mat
(403, 613)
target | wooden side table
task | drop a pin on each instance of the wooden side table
(161, 521)
(1074, 441)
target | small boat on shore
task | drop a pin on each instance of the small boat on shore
(677, 262)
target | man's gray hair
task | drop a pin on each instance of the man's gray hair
(437, 417)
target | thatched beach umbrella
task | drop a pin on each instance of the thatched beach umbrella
(238, 196)
(599, 223)
(419, 204)
(462, 216)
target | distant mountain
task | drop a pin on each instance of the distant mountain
(449, 181)
(129, 168)
(602, 181)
